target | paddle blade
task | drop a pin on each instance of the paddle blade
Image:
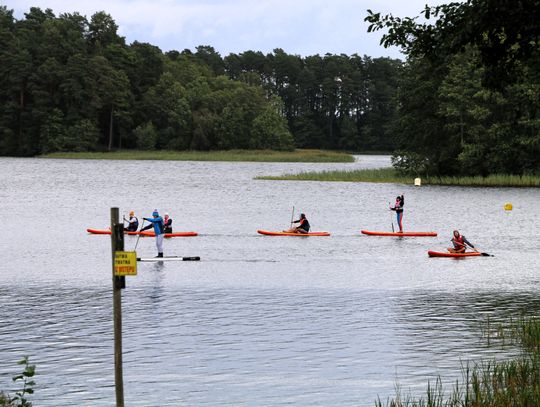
(195, 258)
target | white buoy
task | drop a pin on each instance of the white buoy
(417, 182)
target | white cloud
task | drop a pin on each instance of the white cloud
(304, 27)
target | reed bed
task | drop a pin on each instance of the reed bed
(365, 175)
(317, 156)
(390, 175)
(490, 384)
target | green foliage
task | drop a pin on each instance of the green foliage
(270, 131)
(20, 399)
(53, 132)
(391, 175)
(504, 32)
(63, 73)
(410, 163)
(307, 156)
(509, 383)
(146, 136)
(468, 96)
(83, 135)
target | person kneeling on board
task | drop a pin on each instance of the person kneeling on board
(157, 223)
(303, 226)
(133, 223)
(167, 224)
(460, 243)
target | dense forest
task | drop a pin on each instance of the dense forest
(469, 93)
(72, 84)
(466, 101)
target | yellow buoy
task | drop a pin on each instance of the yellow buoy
(508, 206)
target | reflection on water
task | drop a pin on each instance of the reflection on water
(259, 320)
(253, 347)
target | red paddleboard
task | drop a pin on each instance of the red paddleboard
(175, 234)
(269, 233)
(144, 233)
(370, 233)
(106, 232)
(431, 253)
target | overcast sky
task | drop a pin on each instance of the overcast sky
(304, 27)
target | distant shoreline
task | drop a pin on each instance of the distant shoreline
(389, 175)
(313, 156)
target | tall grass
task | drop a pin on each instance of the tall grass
(509, 383)
(365, 175)
(319, 156)
(389, 175)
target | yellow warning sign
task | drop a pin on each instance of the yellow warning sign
(125, 263)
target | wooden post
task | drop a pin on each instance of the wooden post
(117, 244)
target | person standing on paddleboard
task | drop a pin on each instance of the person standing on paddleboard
(303, 226)
(460, 243)
(167, 224)
(133, 223)
(157, 223)
(398, 207)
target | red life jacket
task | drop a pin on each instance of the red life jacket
(459, 244)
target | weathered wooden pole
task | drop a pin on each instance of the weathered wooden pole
(117, 244)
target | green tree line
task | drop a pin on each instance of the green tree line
(469, 92)
(72, 84)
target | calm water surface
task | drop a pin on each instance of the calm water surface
(329, 321)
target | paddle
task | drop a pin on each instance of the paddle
(138, 236)
(194, 258)
(292, 217)
(472, 247)
(482, 253)
(391, 218)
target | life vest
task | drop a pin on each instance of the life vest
(167, 225)
(459, 243)
(304, 224)
(133, 226)
(398, 206)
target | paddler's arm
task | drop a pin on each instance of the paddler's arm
(467, 242)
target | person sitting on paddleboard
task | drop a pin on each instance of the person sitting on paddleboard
(398, 207)
(460, 243)
(303, 226)
(133, 223)
(157, 223)
(167, 224)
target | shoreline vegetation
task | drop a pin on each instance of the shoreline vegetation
(514, 382)
(298, 155)
(390, 175)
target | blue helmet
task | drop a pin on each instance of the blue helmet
(155, 214)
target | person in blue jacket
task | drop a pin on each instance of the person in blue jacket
(157, 223)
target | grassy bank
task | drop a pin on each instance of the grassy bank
(315, 156)
(510, 383)
(389, 175)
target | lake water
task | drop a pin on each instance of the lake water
(273, 321)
